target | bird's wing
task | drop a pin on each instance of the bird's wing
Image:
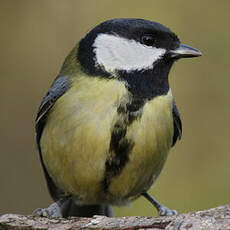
(177, 125)
(57, 89)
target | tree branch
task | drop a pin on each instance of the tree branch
(212, 219)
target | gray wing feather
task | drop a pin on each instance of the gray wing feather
(57, 89)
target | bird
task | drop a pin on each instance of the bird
(106, 125)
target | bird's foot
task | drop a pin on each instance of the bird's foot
(53, 210)
(164, 211)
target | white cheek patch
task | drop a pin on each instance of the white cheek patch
(116, 53)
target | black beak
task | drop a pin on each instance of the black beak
(184, 51)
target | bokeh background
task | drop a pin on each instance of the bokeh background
(35, 37)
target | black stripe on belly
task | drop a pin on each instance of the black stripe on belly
(120, 146)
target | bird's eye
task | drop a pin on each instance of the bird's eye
(147, 40)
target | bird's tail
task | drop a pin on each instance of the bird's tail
(71, 209)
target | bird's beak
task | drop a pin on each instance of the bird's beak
(184, 51)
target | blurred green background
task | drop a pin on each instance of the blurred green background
(35, 38)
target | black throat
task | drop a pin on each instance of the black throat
(147, 84)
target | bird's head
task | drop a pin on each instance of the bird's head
(129, 45)
(136, 51)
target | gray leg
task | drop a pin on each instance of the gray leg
(162, 210)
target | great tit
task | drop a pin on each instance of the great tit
(108, 121)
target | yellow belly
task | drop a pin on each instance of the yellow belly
(75, 142)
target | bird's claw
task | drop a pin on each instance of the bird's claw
(164, 211)
(52, 211)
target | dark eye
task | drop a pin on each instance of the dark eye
(147, 40)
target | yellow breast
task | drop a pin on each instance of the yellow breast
(75, 142)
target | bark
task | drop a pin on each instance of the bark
(212, 219)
